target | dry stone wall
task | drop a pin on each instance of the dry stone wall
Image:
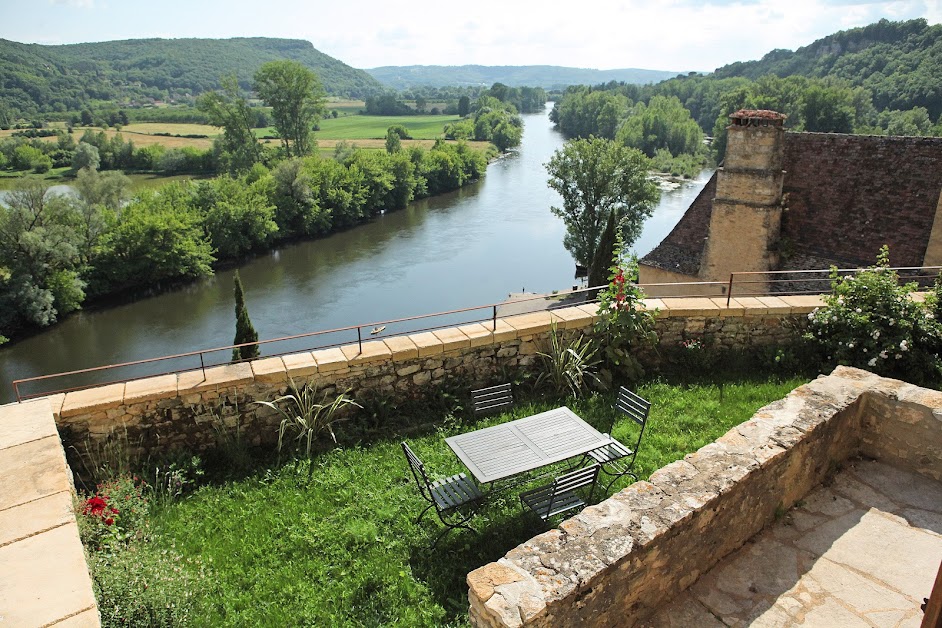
(615, 563)
(187, 410)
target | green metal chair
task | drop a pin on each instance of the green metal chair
(493, 399)
(561, 496)
(616, 459)
(456, 499)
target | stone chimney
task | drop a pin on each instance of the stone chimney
(747, 208)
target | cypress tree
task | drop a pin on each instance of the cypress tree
(604, 254)
(245, 332)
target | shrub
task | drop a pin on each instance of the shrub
(301, 412)
(145, 587)
(625, 326)
(870, 322)
(568, 363)
(115, 515)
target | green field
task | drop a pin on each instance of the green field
(374, 127)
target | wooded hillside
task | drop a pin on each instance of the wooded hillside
(36, 78)
(900, 63)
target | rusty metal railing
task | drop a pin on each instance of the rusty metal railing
(770, 285)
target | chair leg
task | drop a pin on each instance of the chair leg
(422, 514)
(617, 476)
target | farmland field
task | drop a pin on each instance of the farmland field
(374, 127)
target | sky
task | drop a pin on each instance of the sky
(674, 35)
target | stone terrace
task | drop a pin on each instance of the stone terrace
(622, 561)
(44, 580)
(860, 552)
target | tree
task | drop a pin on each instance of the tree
(245, 331)
(86, 156)
(229, 109)
(464, 106)
(604, 254)
(297, 100)
(39, 258)
(393, 143)
(596, 177)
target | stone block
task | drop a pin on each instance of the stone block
(478, 334)
(690, 306)
(215, 377)
(151, 388)
(775, 305)
(25, 422)
(92, 399)
(330, 360)
(533, 323)
(401, 348)
(427, 343)
(503, 332)
(269, 370)
(371, 352)
(39, 515)
(803, 303)
(728, 311)
(571, 318)
(52, 581)
(31, 471)
(300, 366)
(592, 309)
(452, 339)
(752, 306)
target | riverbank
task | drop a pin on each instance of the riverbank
(460, 249)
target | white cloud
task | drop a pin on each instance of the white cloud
(78, 4)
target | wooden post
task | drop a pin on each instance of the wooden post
(932, 615)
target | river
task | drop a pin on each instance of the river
(471, 247)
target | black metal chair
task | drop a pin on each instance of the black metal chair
(493, 399)
(455, 499)
(560, 496)
(616, 459)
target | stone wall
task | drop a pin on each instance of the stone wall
(186, 410)
(614, 563)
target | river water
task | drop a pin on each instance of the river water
(471, 247)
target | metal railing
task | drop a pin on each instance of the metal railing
(748, 284)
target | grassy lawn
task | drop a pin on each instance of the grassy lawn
(374, 127)
(339, 547)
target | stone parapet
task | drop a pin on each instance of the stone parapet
(187, 409)
(616, 562)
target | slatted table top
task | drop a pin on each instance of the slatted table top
(499, 452)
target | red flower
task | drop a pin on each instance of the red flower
(109, 521)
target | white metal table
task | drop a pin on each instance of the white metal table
(501, 451)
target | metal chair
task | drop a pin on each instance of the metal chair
(493, 399)
(560, 496)
(455, 499)
(616, 459)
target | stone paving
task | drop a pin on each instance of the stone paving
(862, 551)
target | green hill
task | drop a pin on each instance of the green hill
(546, 76)
(36, 78)
(899, 62)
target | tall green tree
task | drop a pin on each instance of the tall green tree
(39, 257)
(597, 177)
(604, 254)
(228, 109)
(245, 331)
(297, 100)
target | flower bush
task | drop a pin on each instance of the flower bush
(115, 514)
(625, 325)
(870, 321)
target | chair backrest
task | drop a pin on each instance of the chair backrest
(635, 407)
(572, 481)
(492, 399)
(418, 471)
